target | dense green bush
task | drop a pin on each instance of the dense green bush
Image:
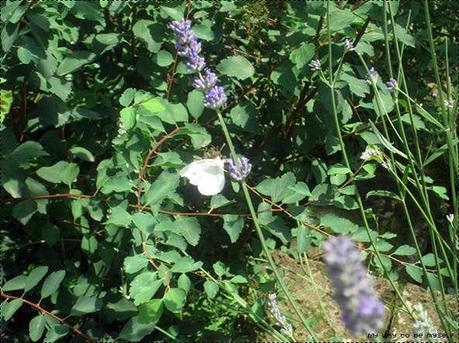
(101, 240)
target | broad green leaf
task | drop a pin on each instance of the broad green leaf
(52, 283)
(195, 103)
(143, 30)
(34, 277)
(151, 311)
(128, 117)
(9, 308)
(236, 66)
(277, 188)
(185, 265)
(144, 222)
(184, 282)
(135, 331)
(233, 225)
(429, 260)
(189, 228)
(163, 58)
(85, 305)
(174, 299)
(338, 224)
(119, 217)
(144, 287)
(164, 185)
(24, 210)
(62, 171)
(82, 153)
(211, 288)
(302, 55)
(404, 250)
(75, 61)
(303, 239)
(16, 283)
(153, 106)
(244, 115)
(414, 272)
(204, 30)
(132, 264)
(36, 327)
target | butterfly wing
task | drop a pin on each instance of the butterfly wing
(208, 175)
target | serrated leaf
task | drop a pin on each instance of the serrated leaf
(414, 272)
(75, 61)
(233, 225)
(165, 184)
(189, 228)
(132, 264)
(135, 331)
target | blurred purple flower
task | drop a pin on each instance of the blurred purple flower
(372, 74)
(315, 65)
(348, 45)
(239, 173)
(392, 85)
(361, 311)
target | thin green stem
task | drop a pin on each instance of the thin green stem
(261, 236)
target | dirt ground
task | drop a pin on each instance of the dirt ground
(314, 301)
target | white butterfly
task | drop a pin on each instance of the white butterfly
(207, 174)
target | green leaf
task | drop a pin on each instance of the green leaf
(82, 153)
(151, 311)
(9, 308)
(62, 171)
(119, 217)
(303, 239)
(144, 222)
(233, 225)
(414, 272)
(24, 211)
(195, 103)
(204, 30)
(338, 224)
(8, 36)
(14, 284)
(34, 277)
(189, 228)
(85, 305)
(277, 188)
(404, 250)
(135, 331)
(429, 260)
(236, 66)
(36, 327)
(128, 117)
(144, 287)
(185, 264)
(302, 55)
(243, 115)
(75, 61)
(52, 283)
(174, 299)
(163, 58)
(153, 106)
(163, 186)
(211, 288)
(184, 282)
(143, 30)
(132, 264)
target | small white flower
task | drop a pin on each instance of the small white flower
(349, 45)
(450, 218)
(315, 65)
(449, 103)
(370, 153)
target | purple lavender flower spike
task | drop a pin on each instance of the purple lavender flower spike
(361, 311)
(188, 46)
(215, 98)
(205, 82)
(392, 85)
(241, 173)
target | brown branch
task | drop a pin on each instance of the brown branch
(52, 315)
(147, 159)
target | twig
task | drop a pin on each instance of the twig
(52, 315)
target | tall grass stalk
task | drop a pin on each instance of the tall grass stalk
(261, 237)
